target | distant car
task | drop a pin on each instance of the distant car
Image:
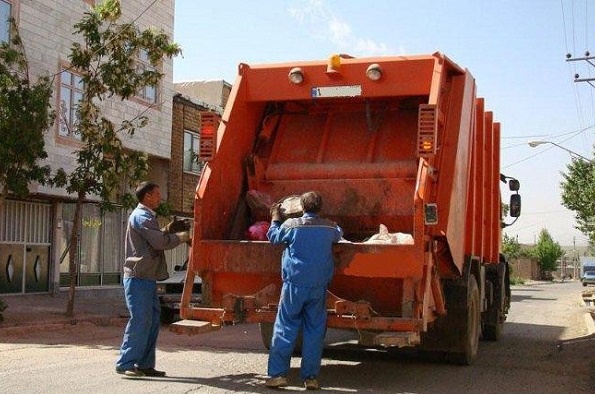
(170, 293)
(588, 278)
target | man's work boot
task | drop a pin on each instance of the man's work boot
(311, 384)
(276, 382)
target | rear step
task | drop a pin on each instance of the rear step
(193, 327)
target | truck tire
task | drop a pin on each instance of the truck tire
(492, 332)
(495, 315)
(266, 334)
(470, 327)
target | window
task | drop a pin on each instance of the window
(191, 146)
(148, 93)
(71, 94)
(101, 246)
(5, 14)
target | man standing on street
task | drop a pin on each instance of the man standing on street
(307, 269)
(144, 266)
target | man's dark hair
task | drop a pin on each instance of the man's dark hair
(311, 202)
(144, 188)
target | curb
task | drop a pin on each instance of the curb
(36, 326)
(589, 315)
(590, 323)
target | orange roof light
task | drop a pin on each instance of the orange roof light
(334, 64)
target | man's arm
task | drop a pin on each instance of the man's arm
(148, 227)
(275, 234)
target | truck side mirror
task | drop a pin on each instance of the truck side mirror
(515, 205)
(514, 185)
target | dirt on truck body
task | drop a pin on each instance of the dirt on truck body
(399, 143)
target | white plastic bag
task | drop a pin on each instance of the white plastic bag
(384, 237)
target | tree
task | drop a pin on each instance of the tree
(547, 251)
(108, 62)
(511, 247)
(578, 195)
(24, 116)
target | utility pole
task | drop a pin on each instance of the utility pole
(574, 258)
(587, 58)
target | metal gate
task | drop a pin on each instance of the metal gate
(25, 234)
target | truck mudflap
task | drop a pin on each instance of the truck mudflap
(375, 330)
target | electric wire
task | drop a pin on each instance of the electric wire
(572, 67)
(550, 136)
(113, 38)
(586, 52)
(575, 134)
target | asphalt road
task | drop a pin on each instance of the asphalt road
(543, 350)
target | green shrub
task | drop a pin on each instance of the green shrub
(515, 280)
(3, 306)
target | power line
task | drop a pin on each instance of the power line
(114, 37)
(574, 134)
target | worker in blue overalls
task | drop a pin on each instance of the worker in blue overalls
(306, 270)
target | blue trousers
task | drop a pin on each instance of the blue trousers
(140, 335)
(305, 308)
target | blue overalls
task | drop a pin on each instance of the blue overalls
(306, 270)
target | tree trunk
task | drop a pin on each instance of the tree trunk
(2, 195)
(73, 254)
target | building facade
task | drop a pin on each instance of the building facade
(192, 117)
(34, 233)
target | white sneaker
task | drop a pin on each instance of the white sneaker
(276, 382)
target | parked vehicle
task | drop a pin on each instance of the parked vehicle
(401, 142)
(170, 293)
(588, 273)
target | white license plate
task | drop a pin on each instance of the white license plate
(336, 91)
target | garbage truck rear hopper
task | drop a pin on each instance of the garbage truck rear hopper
(396, 141)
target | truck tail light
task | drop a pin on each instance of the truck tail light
(427, 128)
(208, 135)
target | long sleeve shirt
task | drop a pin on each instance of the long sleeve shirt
(308, 257)
(145, 243)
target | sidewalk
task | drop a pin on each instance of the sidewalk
(107, 307)
(39, 310)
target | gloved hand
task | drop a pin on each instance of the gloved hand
(177, 225)
(276, 212)
(184, 236)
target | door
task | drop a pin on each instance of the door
(25, 233)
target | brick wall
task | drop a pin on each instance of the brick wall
(525, 268)
(186, 116)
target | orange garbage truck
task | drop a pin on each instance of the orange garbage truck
(399, 143)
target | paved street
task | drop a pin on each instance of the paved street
(529, 359)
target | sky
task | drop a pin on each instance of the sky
(515, 49)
